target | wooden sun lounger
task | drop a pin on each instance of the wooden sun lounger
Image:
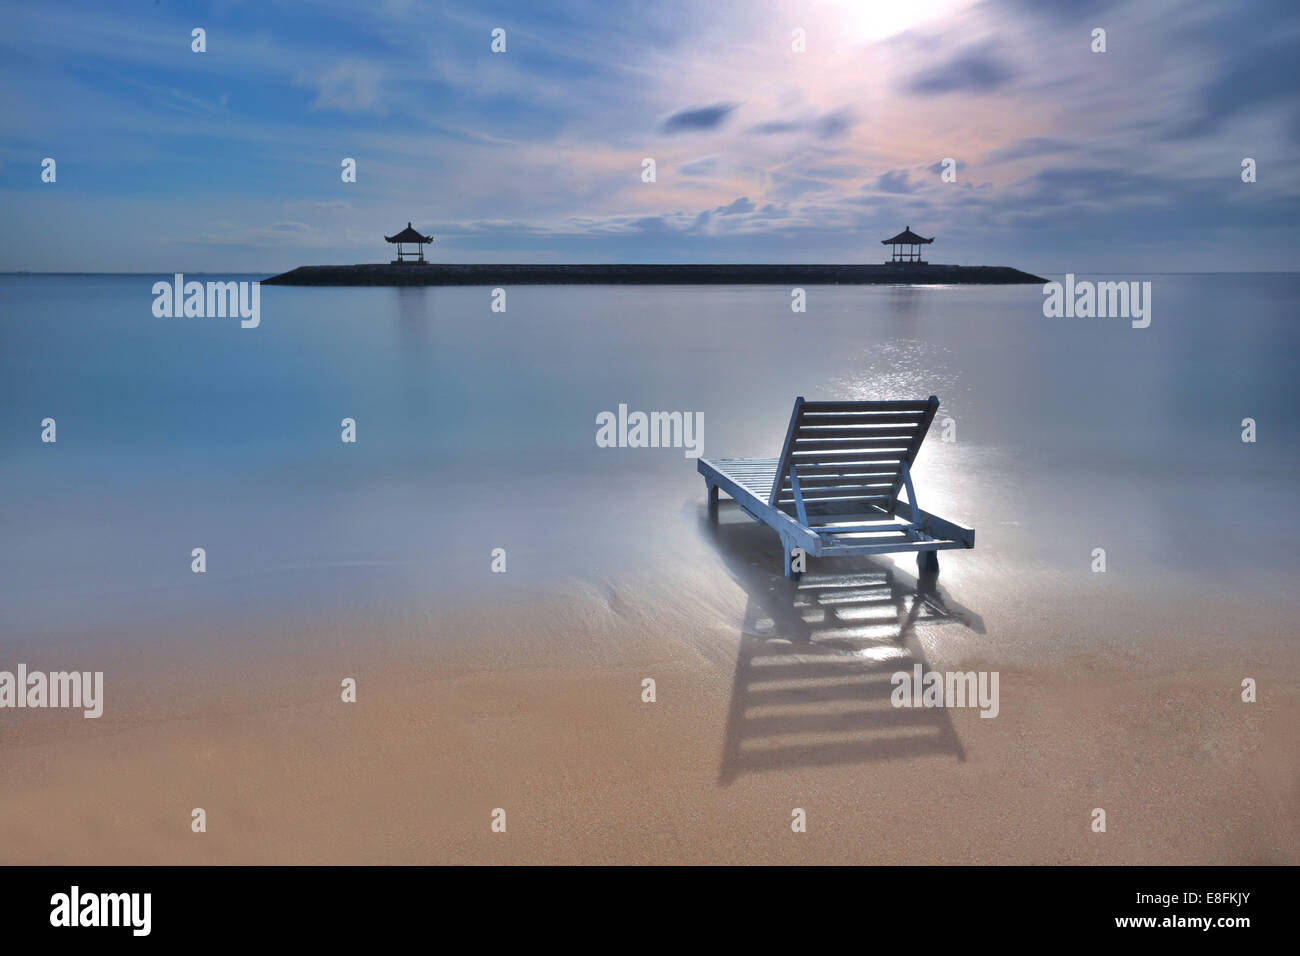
(835, 489)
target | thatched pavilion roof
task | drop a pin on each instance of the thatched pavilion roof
(408, 235)
(906, 238)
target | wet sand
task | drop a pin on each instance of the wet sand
(770, 697)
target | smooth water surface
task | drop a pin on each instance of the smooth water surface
(476, 430)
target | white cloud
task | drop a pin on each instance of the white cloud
(354, 86)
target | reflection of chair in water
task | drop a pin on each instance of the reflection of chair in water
(812, 684)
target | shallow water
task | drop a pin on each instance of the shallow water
(477, 430)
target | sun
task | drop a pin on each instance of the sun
(881, 19)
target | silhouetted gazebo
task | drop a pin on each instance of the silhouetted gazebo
(409, 236)
(907, 246)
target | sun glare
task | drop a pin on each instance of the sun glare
(866, 20)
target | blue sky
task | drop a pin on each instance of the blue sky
(1067, 160)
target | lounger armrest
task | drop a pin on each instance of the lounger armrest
(938, 527)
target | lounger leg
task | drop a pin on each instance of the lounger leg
(928, 561)
(788, 546)
(713, 498)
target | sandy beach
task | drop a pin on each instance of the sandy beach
(534, 706)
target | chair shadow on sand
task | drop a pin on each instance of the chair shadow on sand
(812, 684)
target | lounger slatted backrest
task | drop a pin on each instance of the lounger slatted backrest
(848, 456)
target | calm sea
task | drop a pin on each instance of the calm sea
(476, 430)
